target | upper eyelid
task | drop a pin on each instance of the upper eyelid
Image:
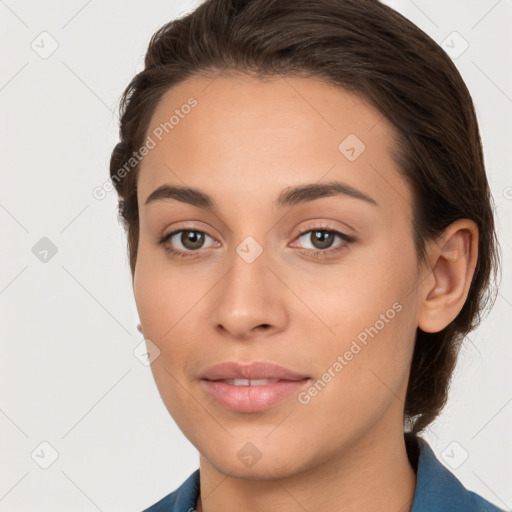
(322, 224)
(316, 227)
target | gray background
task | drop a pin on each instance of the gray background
(69, 377)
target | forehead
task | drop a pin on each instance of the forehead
(265, 134)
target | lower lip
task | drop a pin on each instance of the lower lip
(252, 398)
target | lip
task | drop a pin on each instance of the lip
(253, 371)
(251, 398)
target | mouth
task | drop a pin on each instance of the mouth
(251, 382)
(253, 387)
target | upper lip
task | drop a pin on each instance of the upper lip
(253, 371)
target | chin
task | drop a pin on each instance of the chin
(261, 470)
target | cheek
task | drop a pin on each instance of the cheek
(168, 302)
(365, 289)
(364, 372)
(165, 307)
(371, 313)
(163, 296)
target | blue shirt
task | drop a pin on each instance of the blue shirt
(437, 489)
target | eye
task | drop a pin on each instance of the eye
(323, 239)
(190, 239)
(184, 243)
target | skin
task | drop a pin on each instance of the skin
(244, 143)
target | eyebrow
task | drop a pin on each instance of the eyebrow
(288, 197)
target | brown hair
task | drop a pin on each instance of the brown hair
(370, 50)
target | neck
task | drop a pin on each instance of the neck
(374, 473)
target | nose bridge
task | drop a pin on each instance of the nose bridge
(249, 265)
(250, 294)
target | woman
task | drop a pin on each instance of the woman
(311, 235)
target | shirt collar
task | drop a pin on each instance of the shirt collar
(436, 487)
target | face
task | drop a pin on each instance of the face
(323, 281)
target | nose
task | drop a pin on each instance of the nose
(250, 299)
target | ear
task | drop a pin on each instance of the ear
(452, 260)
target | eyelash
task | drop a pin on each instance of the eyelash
(312, 252)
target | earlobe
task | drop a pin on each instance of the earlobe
(453, 257)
